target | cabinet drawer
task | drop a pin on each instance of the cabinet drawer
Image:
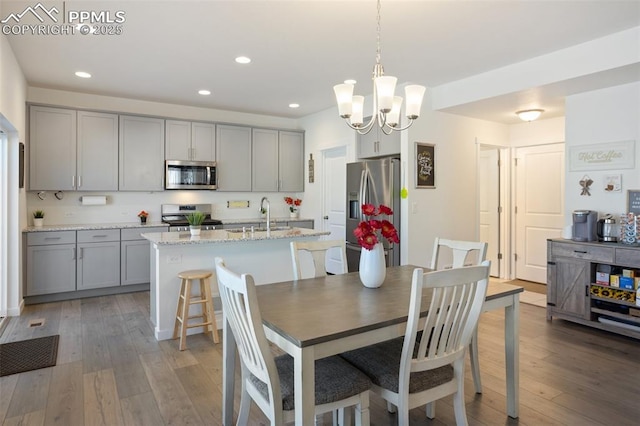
(54, 237)
(583, 251)
(129, 234)
(628, 257)
(99, 235)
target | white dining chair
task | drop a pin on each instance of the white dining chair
(454, 254)
(269, 381)
(428, 363)
(318, 251)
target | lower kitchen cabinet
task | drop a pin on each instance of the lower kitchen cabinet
(51, 262)
(134, 255)
(98, 263)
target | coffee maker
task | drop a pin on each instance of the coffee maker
(584, 225)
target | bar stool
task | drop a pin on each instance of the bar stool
(186, 299)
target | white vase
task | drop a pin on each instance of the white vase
(293, 215)
(195, 230)
(373, 268)
(38, 222)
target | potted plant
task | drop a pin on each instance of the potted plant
(38, 218)
(195, 220)
(293, 203)
(143, 216)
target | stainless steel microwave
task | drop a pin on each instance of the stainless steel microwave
(190, 174)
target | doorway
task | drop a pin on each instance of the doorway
(492, 197)
(334, 178)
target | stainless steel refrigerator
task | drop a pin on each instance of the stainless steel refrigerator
(375, 182)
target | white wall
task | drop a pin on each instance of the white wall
(13, 89)
(599, 117)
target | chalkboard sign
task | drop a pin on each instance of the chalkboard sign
(633, 201)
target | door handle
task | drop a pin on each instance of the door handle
(326, 217)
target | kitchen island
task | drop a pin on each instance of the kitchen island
(264, 255)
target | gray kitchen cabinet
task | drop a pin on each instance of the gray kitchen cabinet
(278, 161)
(568, 287)
(377, 144)
(291, 161)
(98, 263)
(233, 154)
(97, 152)
(141, 154)
(190, 141)
(135, 255)
(264, 160)
(50, 262)
(73, 150)
(52, 149)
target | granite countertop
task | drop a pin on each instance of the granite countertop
(94, 226)
(226, 236)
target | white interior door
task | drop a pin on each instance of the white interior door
(334, 184)
(539, 207)
(489, 203)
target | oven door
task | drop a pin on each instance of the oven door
(190, 175)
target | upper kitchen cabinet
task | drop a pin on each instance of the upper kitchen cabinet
(97, 163)
(72, 150)
(265, 160)
(52, 149)
(233, 154)
(291, 161)
(377, 144)
(278, 161)
(141, 153)
(190, 141)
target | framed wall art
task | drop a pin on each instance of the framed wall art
(425, 165)
(633, 201)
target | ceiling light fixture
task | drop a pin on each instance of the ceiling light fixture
(243, 60)
(294, 105)
(386, 106)
(529, 114)
(204, 92)
(83, 74)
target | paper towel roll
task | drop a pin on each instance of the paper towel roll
(94, 200)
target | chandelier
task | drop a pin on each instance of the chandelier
(386, 106)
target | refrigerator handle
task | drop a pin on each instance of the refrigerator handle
(363, 184)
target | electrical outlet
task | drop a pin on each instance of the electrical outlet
(174, 258)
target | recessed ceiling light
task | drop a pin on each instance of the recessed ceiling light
(83, 74)
(294, 105)
(350, 81)
(243, 60)
(204, 92)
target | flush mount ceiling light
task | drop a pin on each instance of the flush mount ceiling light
(294, 105)
(204, 92)
(386, 106)
(83, 74)
(243, 60)
(529, 114)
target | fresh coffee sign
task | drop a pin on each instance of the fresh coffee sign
(604, 156)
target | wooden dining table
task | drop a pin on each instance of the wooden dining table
(318, 317)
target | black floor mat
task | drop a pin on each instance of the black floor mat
(26, 355)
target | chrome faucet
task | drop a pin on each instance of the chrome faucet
(264, 199)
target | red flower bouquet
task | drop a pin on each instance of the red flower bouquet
(371, 231)
(293, 203)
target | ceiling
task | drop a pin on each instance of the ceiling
(168, 50)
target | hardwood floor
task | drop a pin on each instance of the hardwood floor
(112, 371)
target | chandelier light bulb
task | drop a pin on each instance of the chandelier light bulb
(414, 95)
(357, 117)
(385, 89)
(344, 95)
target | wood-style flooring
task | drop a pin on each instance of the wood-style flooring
(111, 371)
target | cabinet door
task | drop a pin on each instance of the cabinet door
(264, 160)
(203, 141)
(51, 269)
(97, 152)
(141, 153)
(568, 281)
(178, 142)
(233, 153)
(367, 144)
(98, 265)
(291, 161)
(52, 149)
(135, 262)
(377, 144)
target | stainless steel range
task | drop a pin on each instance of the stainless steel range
(175, 215)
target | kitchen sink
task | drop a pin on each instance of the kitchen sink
(248, 230)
